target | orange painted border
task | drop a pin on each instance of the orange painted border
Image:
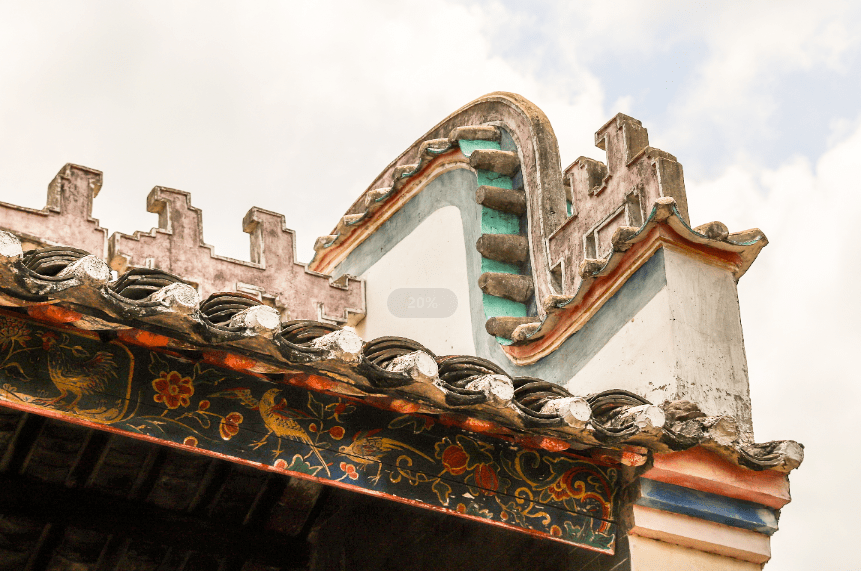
(571, 319)
(335, 254)
(703, 470)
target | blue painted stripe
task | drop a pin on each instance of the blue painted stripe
(711, 507)
(467, 146)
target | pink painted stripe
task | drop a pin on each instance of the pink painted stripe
(701, 535)
(705, 471)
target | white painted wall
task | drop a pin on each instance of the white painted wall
(652, 555)
(639, 358)
(433, 255)
(686, 343)
(710, 362)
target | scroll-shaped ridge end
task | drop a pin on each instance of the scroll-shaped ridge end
(575, 411)
(178, 297)
(324, 242)
(664, 208)
(10, 248)
(343, 344)
(647, 417)
(793, 453)
(90, 270)
(713, 230)
(780, 455)
(419, 365)
(498, 389)
(262, 319)
(525, 332)
(621, 236)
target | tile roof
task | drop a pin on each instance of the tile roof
(159, 309)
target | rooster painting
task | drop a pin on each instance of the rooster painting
(75, 371)
(278, 418)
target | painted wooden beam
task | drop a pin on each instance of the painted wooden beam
(706, 506)
(504, 199)
(702, 535)
(702, 470)
(276, 423)
(510, 286)
(509, 248)
(502, 162)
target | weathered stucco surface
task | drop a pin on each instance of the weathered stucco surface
(67, 217)
(432, 256)
(653, 555)
(685, 344)
(273, 275)
(605, 197)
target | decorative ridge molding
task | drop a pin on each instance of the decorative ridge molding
(606, 209)
(155, 309)
(600, 278)
(177, 246)
(273, 275)
(540, 164)
(68, 214)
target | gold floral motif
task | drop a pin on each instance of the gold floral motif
(172, 389)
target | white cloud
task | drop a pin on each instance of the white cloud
(800, 311)
(276, 105)
(297, 107)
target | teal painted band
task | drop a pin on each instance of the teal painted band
(501, 307)
(494, 266)
(467, 146)
(710, 507)
(498, 222)
(490, 178)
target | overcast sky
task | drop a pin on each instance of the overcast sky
(296, 107)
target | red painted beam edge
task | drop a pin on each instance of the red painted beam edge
(702, 470)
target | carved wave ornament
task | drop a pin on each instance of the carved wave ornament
(558, 243)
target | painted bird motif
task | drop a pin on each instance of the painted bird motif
(75, 371)
(278, 419)
(367, 449)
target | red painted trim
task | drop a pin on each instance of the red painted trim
(703, 470)
(571, 319)
(65, 417)
(335, 254)
(143, 338)
(53, 313)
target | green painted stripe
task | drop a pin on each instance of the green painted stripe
(569, 207)
(488, 265)
(490, 178)
(498, 222)
(467, 146)
(503, 340)
(501, 307)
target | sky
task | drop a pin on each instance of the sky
(297, 107)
